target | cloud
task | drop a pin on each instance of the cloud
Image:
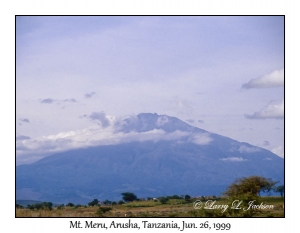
(89, 95)
(72, 100)
(181, 106)
(272, 111)
(234, 159)
(279, 151)
(244, 148)
(267, 159)
(101, 117)
(200, 138)
(266, 143)
(47, 101)
(22, 137)
(154, 135)
(248, 149)
(98, 135)
(162, 120)
(92, 136)
(25, 120)
(273, 79)
(50, 101)
(191, 121)
(200, 121)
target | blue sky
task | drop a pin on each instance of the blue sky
(77, 74)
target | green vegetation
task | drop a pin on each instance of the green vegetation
(94, 202)
(164, 200)
(43, 205)
(24, 203)
(279, 189)
(151, 208)
(127, 197)
(242, 200)
(244, 194)
(102, 210)
(251, 186)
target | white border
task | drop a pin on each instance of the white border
(171, 7)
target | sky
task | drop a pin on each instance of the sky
(76, 76)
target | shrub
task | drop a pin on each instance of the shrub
(94, 202)
(70, 204)
(187, 197)
(19, 206)
(129, 196)
(102, 210)
(121, 202)
(163, 200)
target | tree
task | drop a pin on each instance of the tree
(121, 202)
(102, 210)
(47, 205)
(18, 206)
(59, 207)
(163, 200)
(187, 197)
(70, 204)
(250, 186)
(176, 197)
(129, 196)
(246, 190)
(107, 202)
(279, 189)
(94, 202)
(43, 205)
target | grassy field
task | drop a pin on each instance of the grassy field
(173, 208)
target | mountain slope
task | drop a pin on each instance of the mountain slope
(196, 163)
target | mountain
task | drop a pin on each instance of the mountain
(167, 156)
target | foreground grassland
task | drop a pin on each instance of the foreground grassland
(173, 208)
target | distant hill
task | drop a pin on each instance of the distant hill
(185, 160)
(31, 202)
(27, 202)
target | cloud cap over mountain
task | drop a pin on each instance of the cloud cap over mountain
(149, 154)
(112, 131)
(189, 67)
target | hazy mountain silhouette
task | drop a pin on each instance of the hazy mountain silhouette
(196, 163)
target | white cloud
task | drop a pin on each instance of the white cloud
(234, 159)
(273, 79)
(162, 120)
(98, 135)
(200, 138)
(247, 149)
(95, 135)
(272, 111)
(137, 64)
(267, 159)
(279, 151)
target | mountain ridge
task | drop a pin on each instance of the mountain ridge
(196, 163)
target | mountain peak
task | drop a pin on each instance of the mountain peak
(149, 121)
(182, 157)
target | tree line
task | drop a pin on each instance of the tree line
(246, 187)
